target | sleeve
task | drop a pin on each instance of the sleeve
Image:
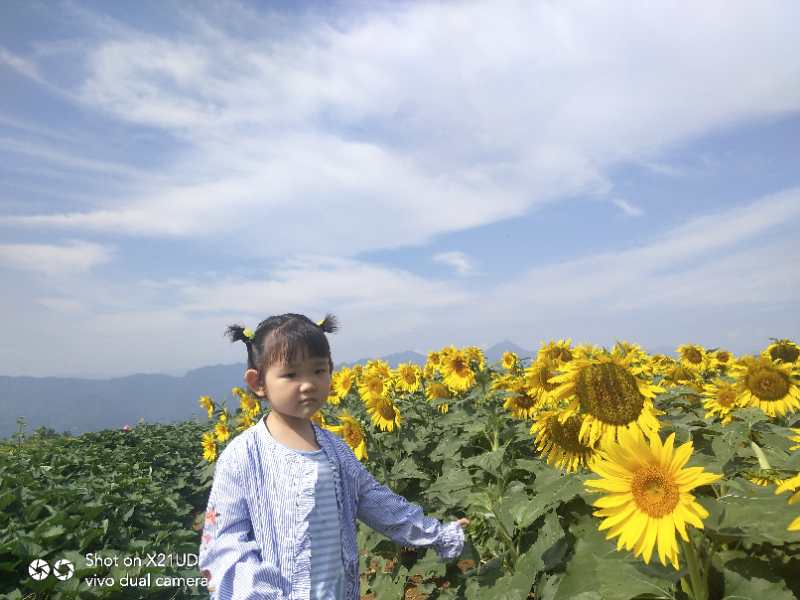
(229, 555)
(397, 518)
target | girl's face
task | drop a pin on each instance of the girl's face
(297, 389)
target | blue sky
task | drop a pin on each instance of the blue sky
(431, 173)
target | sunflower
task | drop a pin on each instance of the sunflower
(372, 386)
(633, 353)
(510, 360)
(520, 403)
(408, 376)
(207, 403)
(244, 421)
(249, 405)
(458, 375)
(428, 371)
(378, 367)
(560, 351)
(560, 441)
(539, 380)
(475, 355)
(350, 430)
(209, 446)
(319, 419)
(611, 395)
(648, 493)
(221, 431)
(384, 413)
(782, 350)
(721, 398)
(587, 351)
(659, 365)
(682, 375)
(341, 383)
(721, 359)
(770, 386)
(434, 359)
(791, 485)
(693, 357)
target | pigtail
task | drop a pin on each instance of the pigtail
(238, 333)
(329, 324)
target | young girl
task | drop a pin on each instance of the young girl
(281, 517)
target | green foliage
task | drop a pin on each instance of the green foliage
(105, 493)
(532, 533)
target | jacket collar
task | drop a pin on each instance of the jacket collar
(322, 439)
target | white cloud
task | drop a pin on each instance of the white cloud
(687, 285)
(19, 64)
(628, 208)
(683, 268)
(457, 260)
(52, 259)
(420, 119)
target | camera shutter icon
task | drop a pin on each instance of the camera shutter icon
(63, 569)
(38, 569)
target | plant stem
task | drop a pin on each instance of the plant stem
(698, 581)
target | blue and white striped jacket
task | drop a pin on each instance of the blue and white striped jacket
(256, 535)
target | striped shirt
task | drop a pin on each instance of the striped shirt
(327, 566)
(257, 537)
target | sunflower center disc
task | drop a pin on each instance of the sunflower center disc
(693, 356)
(768, 384)
(565, 434)
(723, 357)
(726, 398)
(609, 393)
(386, 410)
(654, 491)
(784, 352)
(353, 438)
(524, 401)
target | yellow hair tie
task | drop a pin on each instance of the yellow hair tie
(248, 333)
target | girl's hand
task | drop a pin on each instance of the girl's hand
(463, 522)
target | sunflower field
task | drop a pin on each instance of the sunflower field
(586, 472)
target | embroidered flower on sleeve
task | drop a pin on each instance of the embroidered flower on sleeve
(211, 516)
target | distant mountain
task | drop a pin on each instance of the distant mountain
(495, 353)
(81, 405)
(409, 356)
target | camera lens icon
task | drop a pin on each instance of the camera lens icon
(38, 569)
(63, 569)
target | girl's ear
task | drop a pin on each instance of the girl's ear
(251, 377)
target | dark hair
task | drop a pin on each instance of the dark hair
(281, 338)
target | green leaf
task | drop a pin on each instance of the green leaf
(488, 461)
(429, 566)
(750, 512)
(407, 469)
(597, 571)
(741, 587)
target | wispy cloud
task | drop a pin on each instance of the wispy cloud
(683, 267)
(261, 115)
(628, 208)
(19, 64)
(49, 259)
(457, 260)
